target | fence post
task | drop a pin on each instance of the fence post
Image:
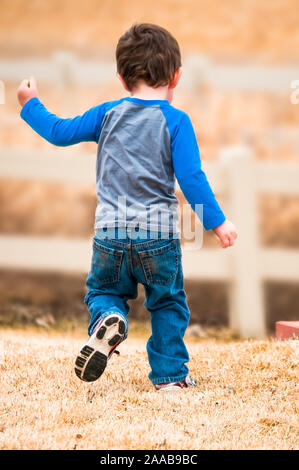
(246, 295)
(2, 92)
(196, 73)
(66, 63)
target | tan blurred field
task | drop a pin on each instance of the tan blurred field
(267, 30)
(247, 397)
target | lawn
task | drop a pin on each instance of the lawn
(246, 398)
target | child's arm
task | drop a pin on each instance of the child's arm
(194, 183)
(56, 130)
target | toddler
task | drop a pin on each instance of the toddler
(143, 144)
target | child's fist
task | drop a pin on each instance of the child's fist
(27, 90)
(226, 233)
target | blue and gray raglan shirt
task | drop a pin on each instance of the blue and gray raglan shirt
(143, 145)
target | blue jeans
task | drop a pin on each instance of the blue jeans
(118, 265)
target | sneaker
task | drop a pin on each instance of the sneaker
(93, 357)
(173, 386)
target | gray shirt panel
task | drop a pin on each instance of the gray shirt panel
(135, 176)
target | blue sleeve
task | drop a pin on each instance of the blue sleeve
(191, 178)
(63, 132)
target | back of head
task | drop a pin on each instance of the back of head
(147, 52)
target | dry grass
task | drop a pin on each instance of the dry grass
(246, 398)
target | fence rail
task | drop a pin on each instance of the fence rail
(237, 175)
(73, 255)
(65, 68)
(70, 165)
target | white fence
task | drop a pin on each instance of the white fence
(237, 175)
(65, 68)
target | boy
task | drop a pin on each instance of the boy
(143, 144)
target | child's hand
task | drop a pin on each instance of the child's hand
(226, 233)
(27, 90)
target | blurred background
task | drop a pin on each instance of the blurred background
(239, 61)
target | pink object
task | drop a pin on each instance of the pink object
(287, 329)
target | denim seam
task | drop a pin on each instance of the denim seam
(143, 225)
(163, 380)
(106, 249)
(147, 243)
(157, 251)
(112, 241)
(147, 269)
(127, 243)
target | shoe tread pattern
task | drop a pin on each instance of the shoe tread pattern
(95, 362)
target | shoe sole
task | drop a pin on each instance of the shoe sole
(170, 388)
(93, 357)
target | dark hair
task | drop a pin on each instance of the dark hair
(147, 52)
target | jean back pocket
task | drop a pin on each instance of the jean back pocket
(106, 263)
(160, 265)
